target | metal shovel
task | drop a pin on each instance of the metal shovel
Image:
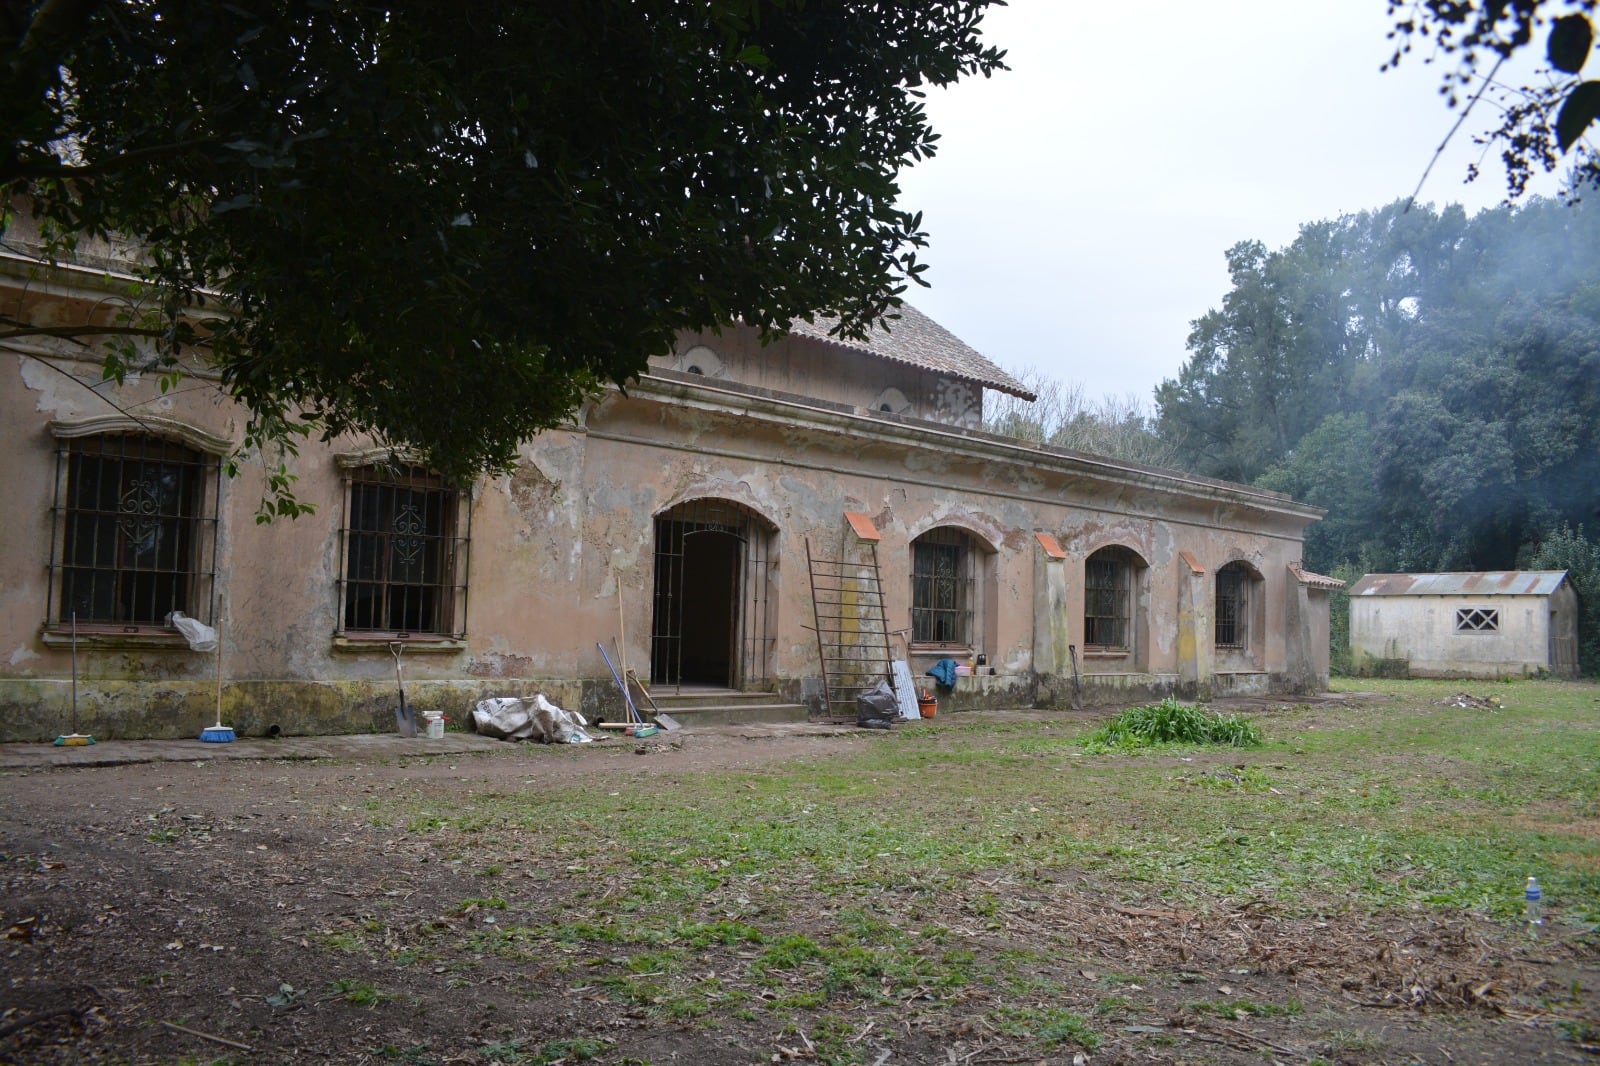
(405, 719)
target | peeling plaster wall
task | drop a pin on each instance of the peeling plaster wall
(908, 491)
(562, 557)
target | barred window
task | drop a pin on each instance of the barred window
(1108, 580)
(404, 554)
(942, 588)
(133, 538)
(1233, 607)
(1477, 620)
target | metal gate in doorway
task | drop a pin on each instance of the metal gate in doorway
(711, 616)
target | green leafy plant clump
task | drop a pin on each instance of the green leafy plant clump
(1171, 722)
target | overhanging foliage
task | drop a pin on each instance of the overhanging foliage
(1542, 124)
(447, 226)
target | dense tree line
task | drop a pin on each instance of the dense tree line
(1433, 380)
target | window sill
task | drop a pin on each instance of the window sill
(152, 637)
(961, 653)
(1107, 653)
(365, 642)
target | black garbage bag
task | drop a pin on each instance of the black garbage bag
(877, 708)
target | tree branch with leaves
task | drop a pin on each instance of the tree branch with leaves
(1541, 125)
(447, 227)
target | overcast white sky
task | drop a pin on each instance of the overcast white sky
(1081, 203)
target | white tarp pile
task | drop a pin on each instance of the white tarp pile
(529, 718)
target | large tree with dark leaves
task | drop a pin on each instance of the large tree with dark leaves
(447, 225)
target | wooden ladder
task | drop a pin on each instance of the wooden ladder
(852, 629)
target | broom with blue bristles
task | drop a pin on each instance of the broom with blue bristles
(219, 733)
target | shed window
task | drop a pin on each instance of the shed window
(1477, 620)
(404, 560)
(133, 530)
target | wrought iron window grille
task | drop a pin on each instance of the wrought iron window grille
(942, 579)
(404, 552)
(1107, 601)
(134, 532)
(1233, 604)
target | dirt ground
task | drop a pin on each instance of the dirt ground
(155, 912)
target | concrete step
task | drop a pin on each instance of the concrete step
(739, 714)
(726, 707)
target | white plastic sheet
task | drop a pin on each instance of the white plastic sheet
(529, 718)
(200, 636)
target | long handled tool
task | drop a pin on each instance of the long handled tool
(637, 726)
(662, 718)
(405, 719)
(665, 721)
(74, 739)
(1077, 685)
(219, 733)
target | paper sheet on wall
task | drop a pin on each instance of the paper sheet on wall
(905, 690)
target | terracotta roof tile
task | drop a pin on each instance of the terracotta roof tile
(1051, 546)
(862, 525)
(917, 340)
(1315, 581)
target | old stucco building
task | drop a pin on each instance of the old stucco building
(682, 512)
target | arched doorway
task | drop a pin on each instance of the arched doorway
(710, 621)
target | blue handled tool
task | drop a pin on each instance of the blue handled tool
(633, 712)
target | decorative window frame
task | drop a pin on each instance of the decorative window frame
(202, 519)
(454, 540)
(1474, 621)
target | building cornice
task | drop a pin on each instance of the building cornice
(689, 391)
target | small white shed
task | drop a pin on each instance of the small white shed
(1500, 623)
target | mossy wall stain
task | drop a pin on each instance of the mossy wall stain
(37, 711)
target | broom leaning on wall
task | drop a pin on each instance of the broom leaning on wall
(204, 638)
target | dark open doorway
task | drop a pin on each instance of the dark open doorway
(709, 618)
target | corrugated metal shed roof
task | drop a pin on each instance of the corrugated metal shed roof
(1486, 583)
(917, 340)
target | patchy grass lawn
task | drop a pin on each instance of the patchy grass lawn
(972, 889)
